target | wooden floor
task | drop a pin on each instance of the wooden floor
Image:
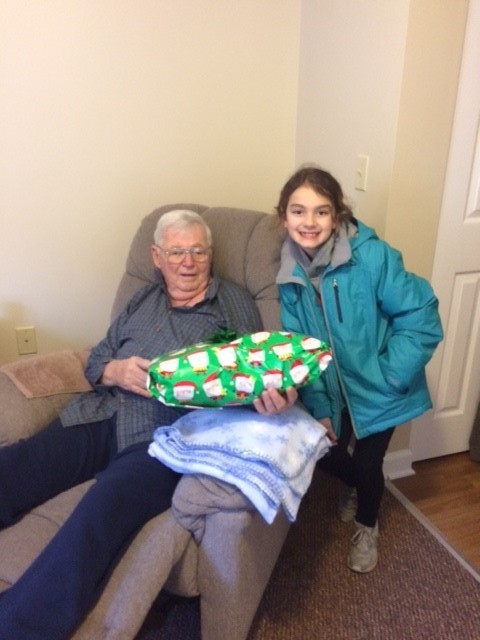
(447, 491)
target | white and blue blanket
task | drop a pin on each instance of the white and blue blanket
(270, 459)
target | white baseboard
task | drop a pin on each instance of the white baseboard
(398, 464)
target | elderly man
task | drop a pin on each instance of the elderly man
(106, 433)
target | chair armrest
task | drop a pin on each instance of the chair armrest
(237, 552)
(236, 558)
(22, 416)
(197, 497)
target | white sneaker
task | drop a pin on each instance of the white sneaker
(347, 505)
(363, 554)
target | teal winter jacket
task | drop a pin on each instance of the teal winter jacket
(382, 325)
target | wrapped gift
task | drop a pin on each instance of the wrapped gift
(217, 374)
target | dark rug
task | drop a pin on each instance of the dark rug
(418, 590)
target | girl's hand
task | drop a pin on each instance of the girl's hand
(331, 435)
(271, 401)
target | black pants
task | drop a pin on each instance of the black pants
(362, 469)
(56, 592)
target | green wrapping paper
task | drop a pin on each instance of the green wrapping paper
(237, 371)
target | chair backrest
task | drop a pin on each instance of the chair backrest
(246, 251)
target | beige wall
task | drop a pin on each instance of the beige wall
(109, 108)
(430, 80)
(351, 65)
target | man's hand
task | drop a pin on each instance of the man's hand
(129, 374)
(271, 401)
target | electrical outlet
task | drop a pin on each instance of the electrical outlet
(26, 340)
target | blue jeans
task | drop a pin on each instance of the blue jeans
(57, 591)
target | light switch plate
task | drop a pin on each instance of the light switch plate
(361, 173)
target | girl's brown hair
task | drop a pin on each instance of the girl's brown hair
(320, 181)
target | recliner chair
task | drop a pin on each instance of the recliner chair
(212, 543)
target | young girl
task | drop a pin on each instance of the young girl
(338, 281)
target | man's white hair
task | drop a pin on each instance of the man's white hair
(179, 219)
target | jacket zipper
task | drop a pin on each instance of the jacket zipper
(328, 338)
(337, 300)
(332, 347)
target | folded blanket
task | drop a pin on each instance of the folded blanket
(269, 458)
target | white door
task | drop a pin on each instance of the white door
(454, 372)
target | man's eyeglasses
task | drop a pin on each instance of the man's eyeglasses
(176, 256)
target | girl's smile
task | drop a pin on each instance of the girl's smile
(309, 219)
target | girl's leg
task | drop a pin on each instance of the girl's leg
(53, 460)
(368, 462)
(57, 591)
(338, 461)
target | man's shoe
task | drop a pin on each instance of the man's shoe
(347, 505)
(363, 554)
